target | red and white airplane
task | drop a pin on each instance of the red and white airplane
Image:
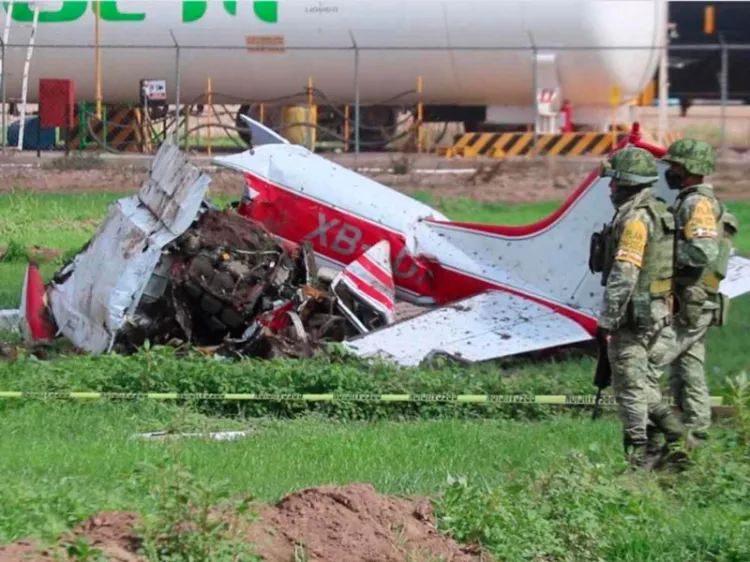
(494, 290)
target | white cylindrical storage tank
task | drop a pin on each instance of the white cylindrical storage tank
(398, 41)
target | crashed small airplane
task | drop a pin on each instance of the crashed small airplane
(490, 290)
(494, 290)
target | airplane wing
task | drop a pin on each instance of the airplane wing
(486, 326)
(737, 281)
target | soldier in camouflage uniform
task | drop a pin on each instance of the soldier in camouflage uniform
(702, 250)
(637, 273)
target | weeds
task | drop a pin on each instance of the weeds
(583, 510)
(82, 551)
(15, 252)
(401, 164)
(191, 520)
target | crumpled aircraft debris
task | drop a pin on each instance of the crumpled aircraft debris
(168, 267)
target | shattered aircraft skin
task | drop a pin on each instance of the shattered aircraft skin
(93, 296)
(496, 290)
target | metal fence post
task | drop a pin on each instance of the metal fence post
(177, 89)
(5, 105)
(663, 76)
(535, 101)
(356, 98)
(724, 83)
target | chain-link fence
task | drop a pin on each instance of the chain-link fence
(206, 86)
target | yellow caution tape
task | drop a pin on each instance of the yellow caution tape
(554, 400)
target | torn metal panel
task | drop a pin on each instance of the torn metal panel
(92, 296)
(369, 279)
(14, 320)
(486, 326)
(173, 191)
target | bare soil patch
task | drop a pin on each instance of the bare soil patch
(113, 178)
(37, 253)
(324, 524)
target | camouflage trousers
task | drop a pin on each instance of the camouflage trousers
(683, 348)
(635, 382)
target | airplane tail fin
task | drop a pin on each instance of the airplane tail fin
(30, 319)
(548, 258)
(551, 257)
(33, 298)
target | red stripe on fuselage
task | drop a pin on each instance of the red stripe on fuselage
(294, 217)
(376, 271)
(333, 233)
(543, 224)
(528, 229)
(370, 291)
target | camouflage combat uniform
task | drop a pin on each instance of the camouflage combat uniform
(637, 272)
(703, 247)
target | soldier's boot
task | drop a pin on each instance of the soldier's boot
(654, 445)
(697, 438)
(673, 456)
(635, 453)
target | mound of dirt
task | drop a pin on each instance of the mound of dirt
(352, 523)
(110, 532)
(323, 524)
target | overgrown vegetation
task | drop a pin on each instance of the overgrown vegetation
(555, 490)
(159, 369)
(583, 509)
(192, 519)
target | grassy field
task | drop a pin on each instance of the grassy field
(524, 483)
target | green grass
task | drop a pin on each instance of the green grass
(464, 209)
(26, 217)
(549, 490)
(553, 488)
(87, 449)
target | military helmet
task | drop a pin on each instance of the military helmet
(698, 157)
(631, 166)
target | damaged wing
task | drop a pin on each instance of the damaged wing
(91, 296)
(486, 326)
(737, 281)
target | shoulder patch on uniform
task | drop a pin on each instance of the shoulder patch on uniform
(702, 222)
(632, 243)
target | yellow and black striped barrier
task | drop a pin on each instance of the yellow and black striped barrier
(119, 130)
(508, 145)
